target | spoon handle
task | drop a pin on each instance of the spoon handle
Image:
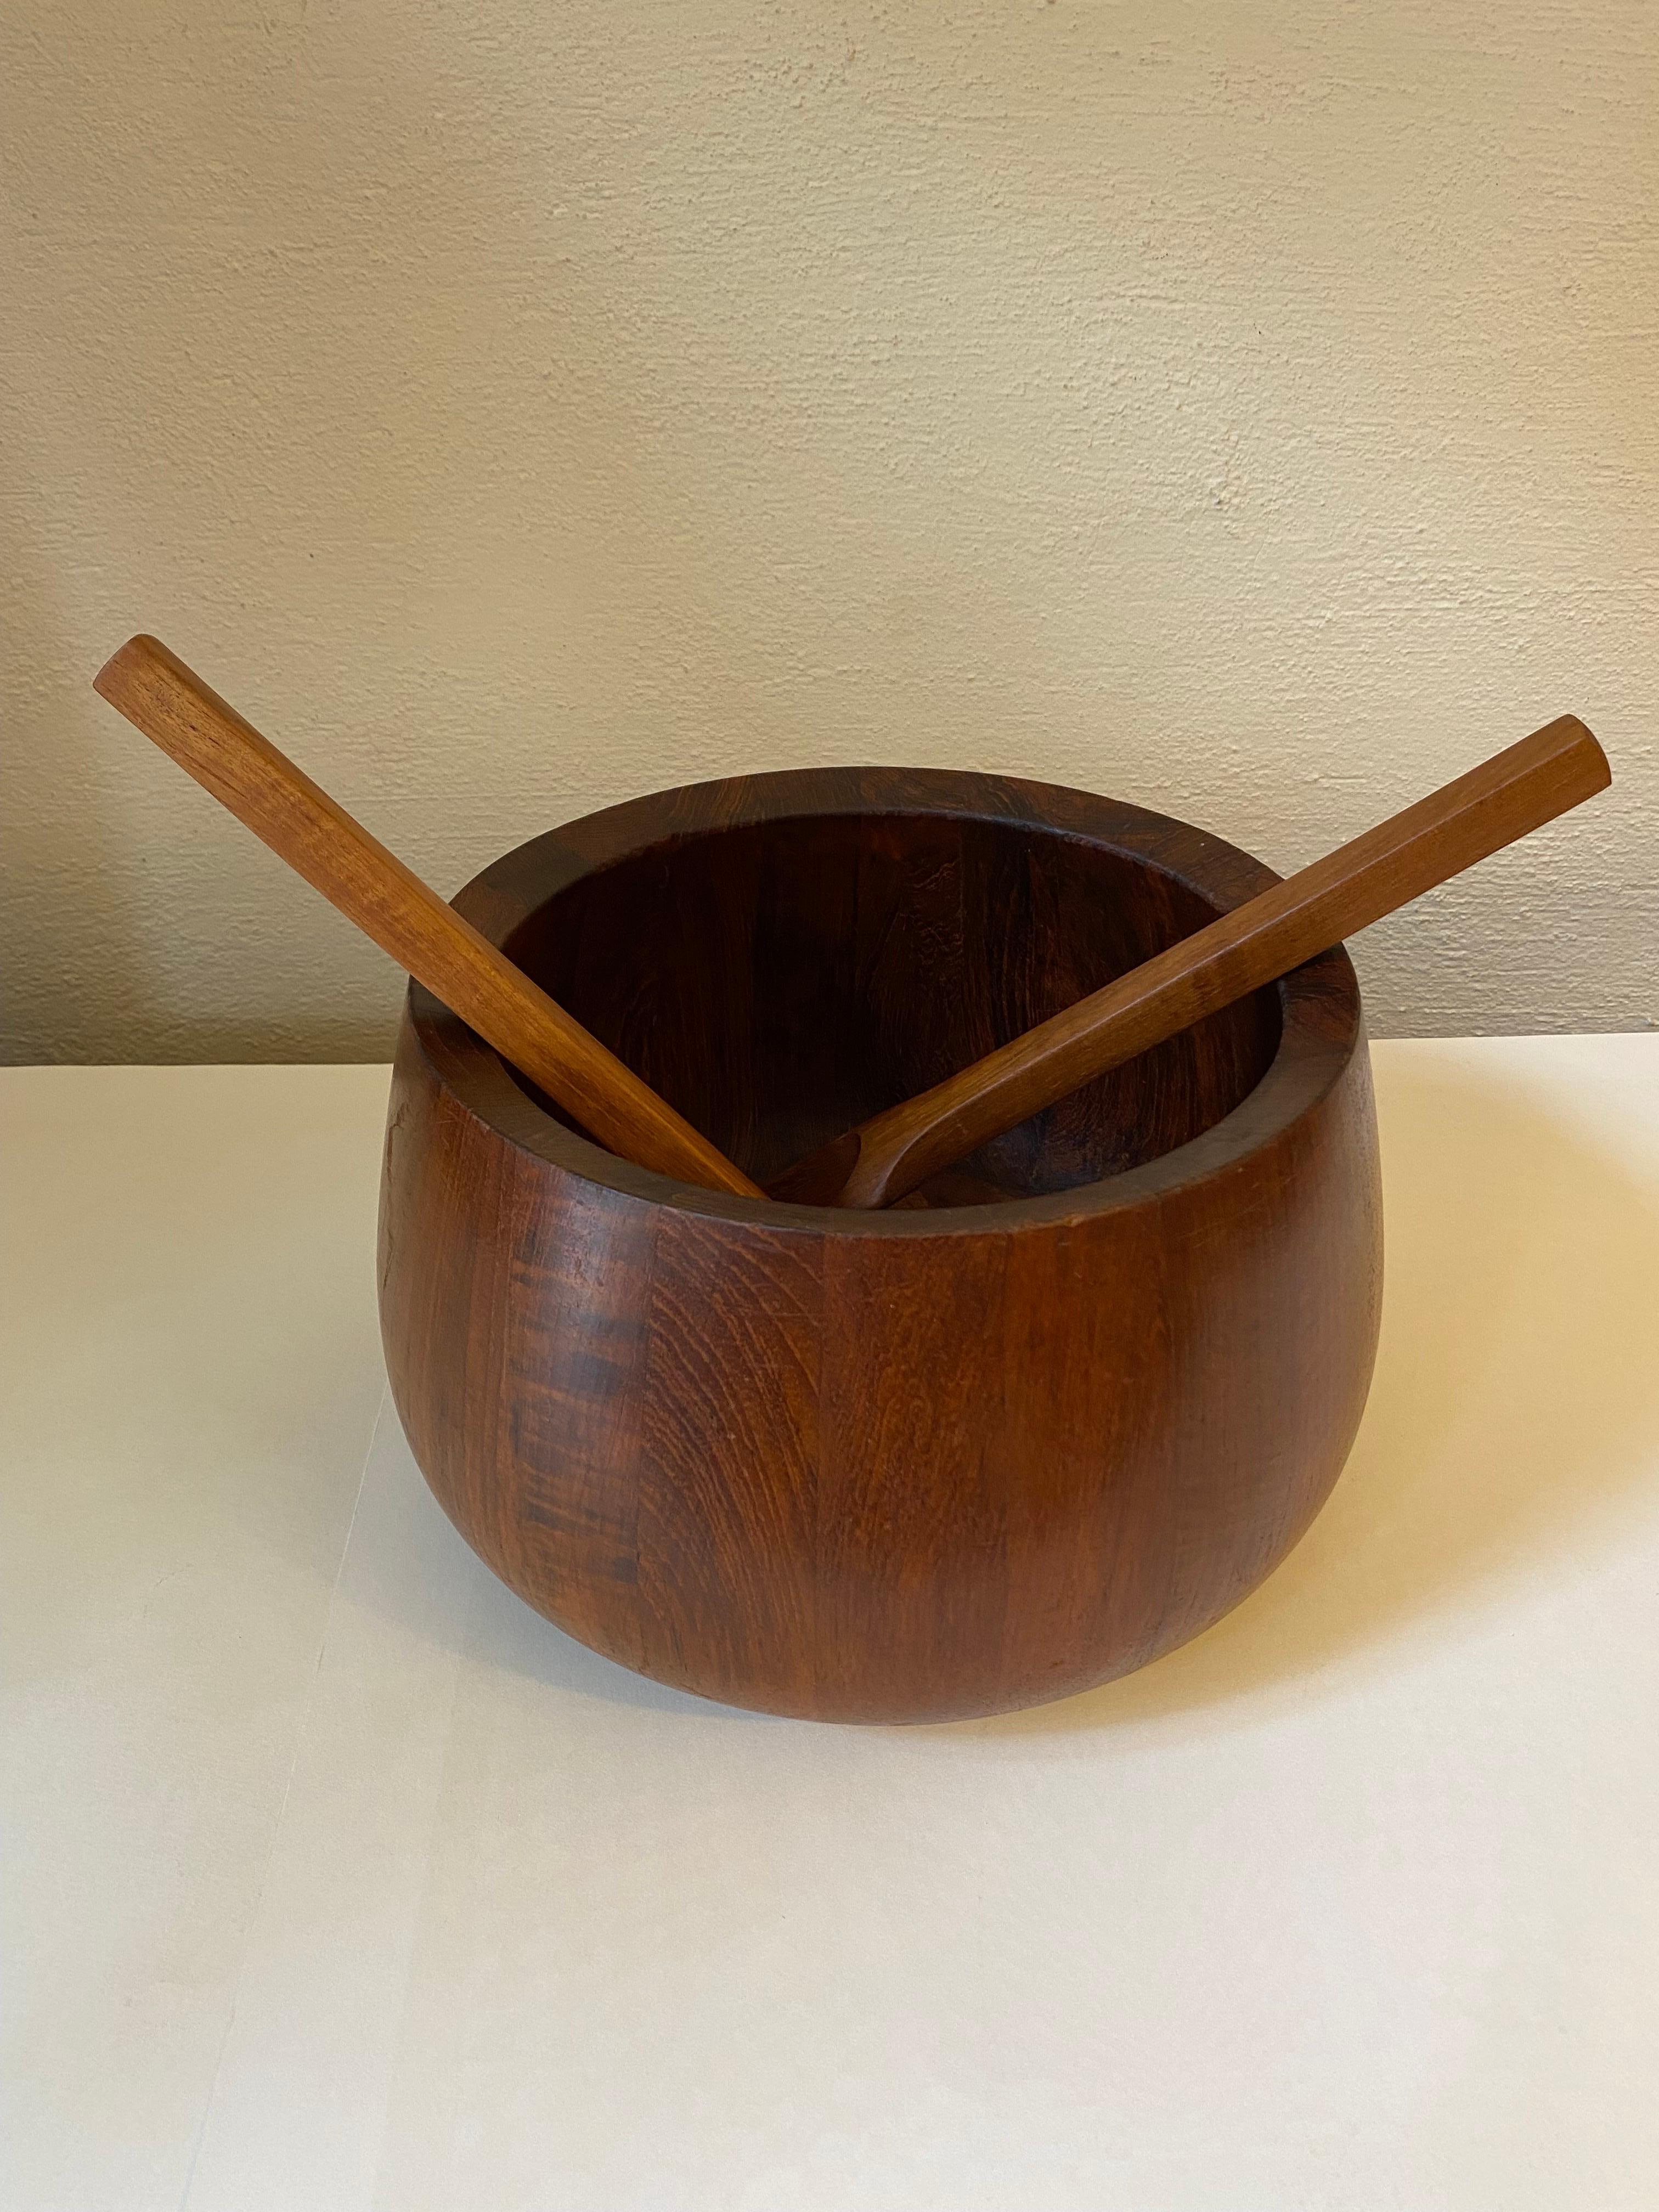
(405, 917)
(1515, 791)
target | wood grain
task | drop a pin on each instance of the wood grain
(1516, 791)
(305, 827)
(900, 1465)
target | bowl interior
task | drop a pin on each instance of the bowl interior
(780, 981)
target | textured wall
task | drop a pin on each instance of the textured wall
(1250, 411)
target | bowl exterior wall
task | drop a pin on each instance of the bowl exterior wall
(939, 1468)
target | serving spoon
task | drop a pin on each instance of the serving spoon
(171, 704)
(1515, 791)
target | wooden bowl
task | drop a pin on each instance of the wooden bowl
(882, 1467)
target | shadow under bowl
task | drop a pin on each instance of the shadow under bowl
(907, 1466)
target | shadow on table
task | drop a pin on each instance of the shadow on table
(1517, 1396)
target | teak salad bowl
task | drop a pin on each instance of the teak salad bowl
(907, 1465)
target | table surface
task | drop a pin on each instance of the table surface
(337, 1879)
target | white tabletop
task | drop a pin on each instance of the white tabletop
(336, 1879)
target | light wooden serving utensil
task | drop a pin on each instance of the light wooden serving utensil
(1515, 791)
(405, 917)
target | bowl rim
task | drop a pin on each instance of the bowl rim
(1321, 1018)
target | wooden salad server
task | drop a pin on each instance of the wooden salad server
(405, 917)
(1515, 791)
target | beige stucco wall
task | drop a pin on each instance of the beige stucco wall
(1253, 412)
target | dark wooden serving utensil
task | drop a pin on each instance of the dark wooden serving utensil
(405, 917)
(1516, 791)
